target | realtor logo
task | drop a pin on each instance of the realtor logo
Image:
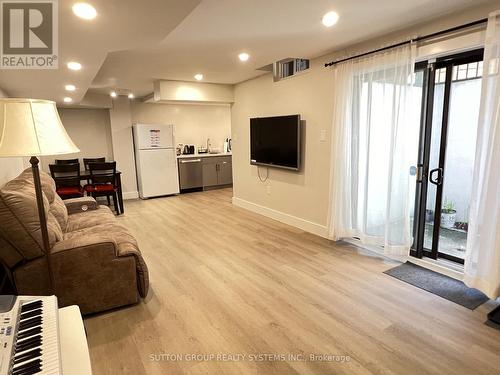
(29, 34)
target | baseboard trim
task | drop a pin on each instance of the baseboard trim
(294, 221)
(130, 195)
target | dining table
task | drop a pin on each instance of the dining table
(85, 176)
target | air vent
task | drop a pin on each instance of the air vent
(289, 67)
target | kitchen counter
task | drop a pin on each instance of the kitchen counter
(203, 155)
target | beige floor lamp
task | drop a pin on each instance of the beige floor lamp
(32, 128)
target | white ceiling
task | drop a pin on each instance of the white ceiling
(120, 25)
(133, 43)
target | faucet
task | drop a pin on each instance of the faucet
(208, 145)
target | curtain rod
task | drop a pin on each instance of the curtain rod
(419, 39)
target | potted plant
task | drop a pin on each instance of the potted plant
(429, 216)
(448, 215)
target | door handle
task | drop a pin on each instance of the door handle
(439, 179)
(190, 161)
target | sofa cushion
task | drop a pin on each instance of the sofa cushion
(59, 210)
(56, 205)
(48, 186)
(91, 218)
(47, 182)
(19, 221)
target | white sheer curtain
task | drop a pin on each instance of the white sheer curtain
(375, 142)
(482, 258)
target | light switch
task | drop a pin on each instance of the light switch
(322, 135)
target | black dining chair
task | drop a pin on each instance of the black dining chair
(103, 182)
(66, 161)
(67, 179)
(87, 161)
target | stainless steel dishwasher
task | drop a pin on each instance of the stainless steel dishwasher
(190, 173)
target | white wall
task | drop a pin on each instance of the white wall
(9, 167)
(193, 92)
(301, 199)
(90, 130)
(193, 123)
(123, 147)
(302, 196)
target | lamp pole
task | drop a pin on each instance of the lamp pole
(43, 219)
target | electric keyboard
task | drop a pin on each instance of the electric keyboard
(29, 335)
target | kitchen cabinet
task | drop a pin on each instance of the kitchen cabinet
(210, 172)
(225, 171)
(205, 171)
(217, 171)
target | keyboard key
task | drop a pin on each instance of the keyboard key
(25, 356)
(30, 343)
(30, 314)
(27, 367)
(31, 306)
(27, 333)
(32, 322)
(35, 349)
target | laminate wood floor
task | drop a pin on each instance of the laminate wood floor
(225, 281)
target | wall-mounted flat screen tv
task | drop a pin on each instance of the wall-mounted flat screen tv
(275, 141)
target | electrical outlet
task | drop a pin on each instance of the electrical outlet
(322, 135)
(268, 189)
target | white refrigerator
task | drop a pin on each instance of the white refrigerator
(156, 160)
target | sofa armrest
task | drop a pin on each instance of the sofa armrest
(119, 249)
(87, 272)
(76, 205)
(90, 273)
(92, 240)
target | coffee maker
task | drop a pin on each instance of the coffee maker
(188, 150)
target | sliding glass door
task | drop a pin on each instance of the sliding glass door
(449, 118)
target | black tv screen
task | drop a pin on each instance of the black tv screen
(275, 141)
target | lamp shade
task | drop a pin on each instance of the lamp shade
(32, 127)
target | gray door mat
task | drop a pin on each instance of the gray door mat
(438, 284)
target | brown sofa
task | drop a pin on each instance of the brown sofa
(96, 262)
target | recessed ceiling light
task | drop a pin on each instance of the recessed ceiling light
(131, 96)
(85, 11)
(198, 77)
(73, 65)
(113, 94)
(243, 56)
(67, 99)
(70, 87)
(330, 19)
